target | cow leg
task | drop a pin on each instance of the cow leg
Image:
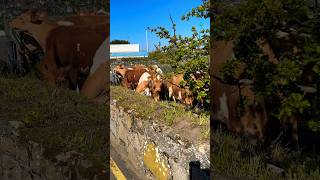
(180, 97)
(170, 92)
(293, 123)
(147, 92)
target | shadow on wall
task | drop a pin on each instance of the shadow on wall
(196, 173)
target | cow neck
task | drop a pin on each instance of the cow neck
(41, 31)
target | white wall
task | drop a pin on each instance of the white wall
(116, 48)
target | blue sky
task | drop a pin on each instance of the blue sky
(129, 19)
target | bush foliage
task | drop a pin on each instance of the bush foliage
(189, 55)
(116, 41)
(291, 27)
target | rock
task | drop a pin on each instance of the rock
(275, 169)
(16, 124)
(132, 133)
(204, 148)
(282, 35)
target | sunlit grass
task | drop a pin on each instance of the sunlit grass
(164, 111)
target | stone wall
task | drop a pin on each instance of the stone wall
(25, 160)
(153, 148)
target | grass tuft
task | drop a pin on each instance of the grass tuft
(164, 111)
(60, 120)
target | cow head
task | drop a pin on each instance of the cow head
(154, 69)
(189, 97)
(120, 69)
(155, 85)
(54, 75)
(28, 18)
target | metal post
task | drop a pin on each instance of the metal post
(147, 41)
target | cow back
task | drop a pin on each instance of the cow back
(74, 46)
(87, 20)
(131, 77)
(225, 98)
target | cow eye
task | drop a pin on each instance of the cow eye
(46, 67)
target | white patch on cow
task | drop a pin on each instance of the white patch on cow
(78, 91)
(130, 68)
(144, 77)
(78, 47)
(233, 56)
(180, 96)
(147, 92)
(65, 23)
(170, 91)
(159, 71)
(158, 77)
(224, 111)
(101, 56)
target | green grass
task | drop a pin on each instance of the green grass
(163, 111)
(59, 120)
(232, 156)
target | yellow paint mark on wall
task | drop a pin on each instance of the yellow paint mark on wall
(152, 161)
(116, 171)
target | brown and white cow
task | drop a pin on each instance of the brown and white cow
(157, 87)
(177, 79)
(32, 22)
(130, 76)
(184, 95)
(71, 48)
(151, 83)
(176, 92)
(143, 84)
(252, 120)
